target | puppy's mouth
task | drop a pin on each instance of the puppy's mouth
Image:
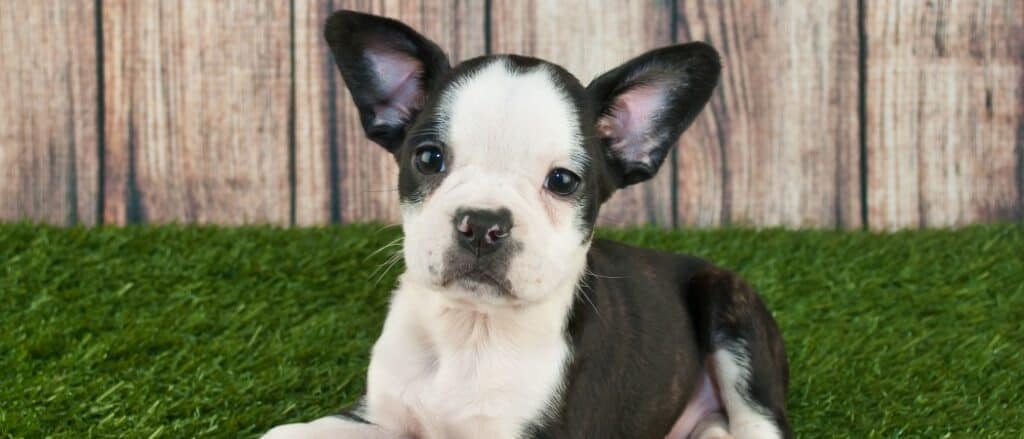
(474, 277)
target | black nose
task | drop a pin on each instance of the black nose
(482, 231)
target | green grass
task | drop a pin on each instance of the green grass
(218, 332)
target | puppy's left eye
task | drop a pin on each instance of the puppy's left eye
(562, 181)
(429, 159)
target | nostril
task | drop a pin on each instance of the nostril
(495, 234)
(464, 228)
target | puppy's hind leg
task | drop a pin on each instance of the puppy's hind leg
(739, 336)
(713, 426)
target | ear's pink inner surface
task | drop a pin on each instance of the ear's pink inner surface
(630, 120)
(399, 77)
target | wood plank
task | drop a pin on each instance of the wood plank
(197, 106)
(778, 144)
(945, 111)
(589, 38)
(316, 162)
(49, 150)
(340, 175)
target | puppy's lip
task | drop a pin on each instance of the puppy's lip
(479, 275)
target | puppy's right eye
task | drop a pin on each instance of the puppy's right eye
(429, 159)
(562, 181)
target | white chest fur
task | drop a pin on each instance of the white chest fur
(444, 369)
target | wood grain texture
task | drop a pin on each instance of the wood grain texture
(945, 112)
(589, 38)
(197, 107)
(199, 125)
(340, 175)
(778, 145)
(48, 121)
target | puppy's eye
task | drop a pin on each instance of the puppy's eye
(562, 181)
(429, 159)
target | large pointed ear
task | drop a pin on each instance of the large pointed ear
(388, 68)
(645, 104)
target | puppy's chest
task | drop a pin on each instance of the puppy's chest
(492, 381)
(457, 374)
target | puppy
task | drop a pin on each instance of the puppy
(511, 320)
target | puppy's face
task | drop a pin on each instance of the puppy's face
(499, 189)
(505, 160)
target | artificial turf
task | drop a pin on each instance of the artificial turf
(223, 332)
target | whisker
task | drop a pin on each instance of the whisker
(387, 226)
(396, 242)
(385, 272)
(391, 257)
(601, 276)
(586, 297)
(387, 263)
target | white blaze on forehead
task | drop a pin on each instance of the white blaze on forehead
(514, 120)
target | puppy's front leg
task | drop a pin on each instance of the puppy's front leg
(331, 427)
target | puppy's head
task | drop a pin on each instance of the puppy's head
(505, 160)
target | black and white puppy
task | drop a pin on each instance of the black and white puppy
(511, 320)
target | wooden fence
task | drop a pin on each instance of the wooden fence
(848, 114)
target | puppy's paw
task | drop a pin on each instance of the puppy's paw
(331, 427)
(324, 428)
(289, 431)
